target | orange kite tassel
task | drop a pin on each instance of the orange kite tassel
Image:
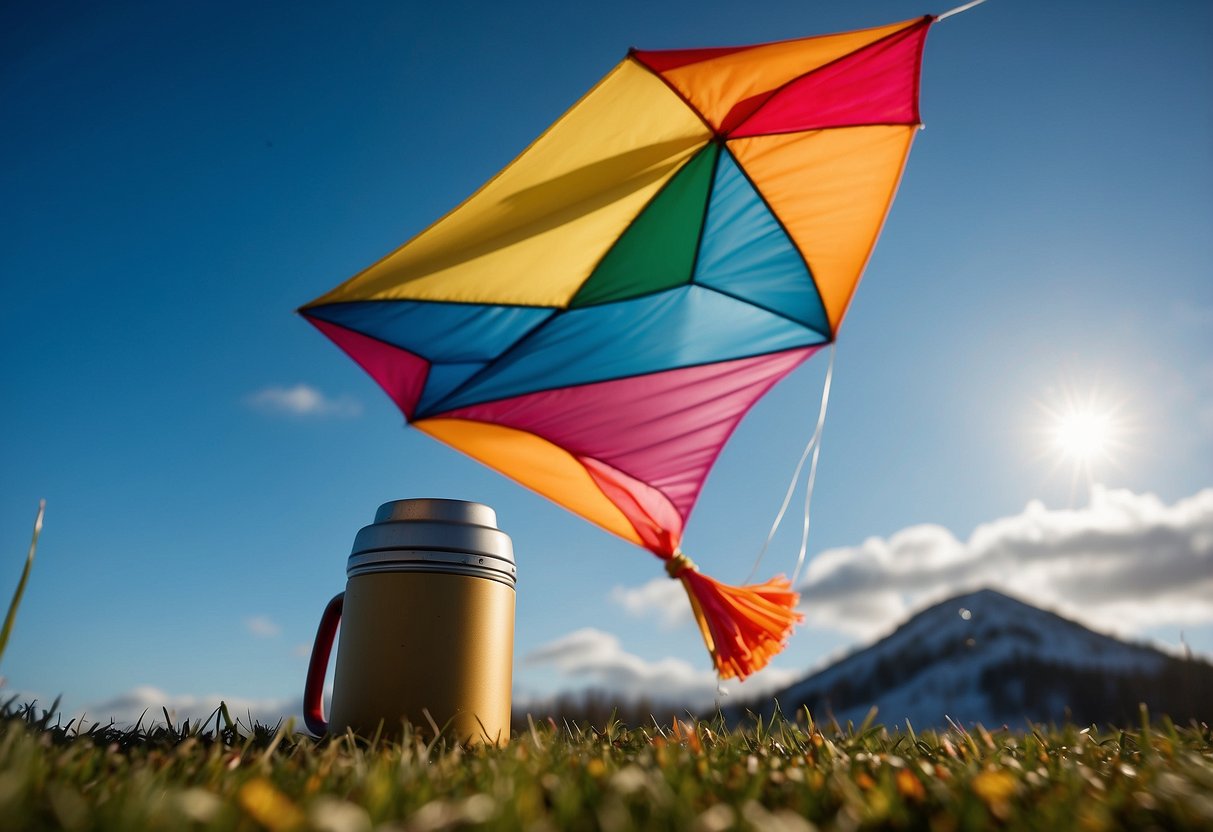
(744, 627)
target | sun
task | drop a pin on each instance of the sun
(1086, 432)
(1084, 435)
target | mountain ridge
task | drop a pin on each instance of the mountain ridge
(987, 657)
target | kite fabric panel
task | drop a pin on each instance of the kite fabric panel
(597, 318)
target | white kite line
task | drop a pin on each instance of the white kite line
(959, 9)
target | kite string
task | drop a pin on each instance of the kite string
(814, 444)
(808, 491)
(959, 9)
(814, 447)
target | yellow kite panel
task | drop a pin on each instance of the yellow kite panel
(532, 234)
(537, 464)
(831, 189)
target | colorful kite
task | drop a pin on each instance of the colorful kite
(596, 319)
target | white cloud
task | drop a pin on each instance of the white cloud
(262, 626)
(302, 400)
(596, 659)
(149, 702)
(661, 597)
(1122, 563)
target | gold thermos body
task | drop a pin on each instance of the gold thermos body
(427, 626)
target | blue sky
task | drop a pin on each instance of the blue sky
(179, 178)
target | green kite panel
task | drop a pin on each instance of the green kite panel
(658, 250)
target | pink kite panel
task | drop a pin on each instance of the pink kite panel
(652, 516)
(875, 85)
(399, 372)
(664, 429)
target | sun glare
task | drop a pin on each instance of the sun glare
(1085, 433)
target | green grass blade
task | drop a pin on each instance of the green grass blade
(29, 562)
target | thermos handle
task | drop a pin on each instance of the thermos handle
(313, 688)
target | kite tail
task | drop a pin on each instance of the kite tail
(744, 627)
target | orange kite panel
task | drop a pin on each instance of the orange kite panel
(729, 84)
(535, 463)
(831, 190)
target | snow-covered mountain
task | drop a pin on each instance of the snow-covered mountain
(989, 658)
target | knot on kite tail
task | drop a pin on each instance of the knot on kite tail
(744, 627)
(679, 563)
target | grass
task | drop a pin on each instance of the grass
(6, 629)
(778, 775)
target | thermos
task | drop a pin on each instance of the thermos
(427, 626)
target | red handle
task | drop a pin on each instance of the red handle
(313, 688)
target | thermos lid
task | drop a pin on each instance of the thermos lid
(432, 535)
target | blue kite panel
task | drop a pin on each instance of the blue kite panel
(681, 327)
(746, 253)
(450, 333)
(442, 379)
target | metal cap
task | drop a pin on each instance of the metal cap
(443, 511)
(430, 535)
